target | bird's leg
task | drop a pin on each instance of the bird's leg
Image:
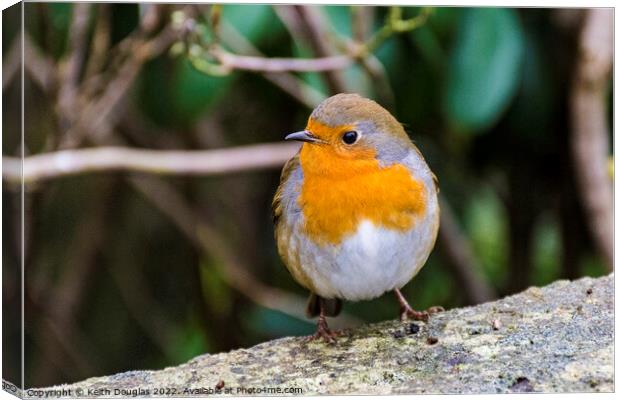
(322, 330)
(407, 312)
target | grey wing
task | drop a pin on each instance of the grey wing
(415, 162)
(286, 195)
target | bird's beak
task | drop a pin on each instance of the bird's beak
(303, 136)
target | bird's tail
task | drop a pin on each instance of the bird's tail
(331, 307)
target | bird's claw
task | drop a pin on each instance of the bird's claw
(435, 309)
(327, 335)
(408, 312)
(323, 332)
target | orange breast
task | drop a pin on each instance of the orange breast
(338, 193)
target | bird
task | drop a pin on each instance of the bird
(356, 213)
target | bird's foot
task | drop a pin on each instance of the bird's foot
(407, 312)
(327, 335)
(323, 332)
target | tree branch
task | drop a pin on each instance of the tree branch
(590, 148)
(40, 67)
(203, 162)
(11, 63)
(202, 54)
(71, 66)
(262, 64)
(95, 113)
(100, 42)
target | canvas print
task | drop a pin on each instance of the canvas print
(294, 199)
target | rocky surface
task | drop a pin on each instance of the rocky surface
(553, 339)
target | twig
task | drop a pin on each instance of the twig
(98, 115)
(361, 20)
(305, 35)
(590, 131)
(70, 67)
(94, 115)
(462, 259)
(12, 62)
(315, 25)
(375, 69)
(39, 67)
(100, 42)
(151, 18)
(294, 86)
(200, 54)
(395, 24)
(273, 64)
(203, 162)
(292, 23)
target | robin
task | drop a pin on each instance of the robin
(356, 212)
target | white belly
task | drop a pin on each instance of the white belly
(368, 263)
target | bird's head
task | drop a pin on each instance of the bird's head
(347, 130)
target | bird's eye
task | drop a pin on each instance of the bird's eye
(350, 137)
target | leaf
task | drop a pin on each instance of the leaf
(59, 19)
(173, 93)
(428, 45)
(254, 22)
(443, 21)
(193, 92)
(531, 111)
(484, 68)
(339, 18)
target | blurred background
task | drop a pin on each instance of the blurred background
(133, 270)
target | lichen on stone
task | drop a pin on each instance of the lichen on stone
(558, 338)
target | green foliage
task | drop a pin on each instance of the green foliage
(174, 93)
(271, 324)
(485, 222)
(214, 288)
(194, 92)
(592, 266)
(60, 15)
(547, 249)
(60, 18)
(188, 342)
(427, 42)
(254, 21)
(340, 18)
(531, 114)
(484, 69)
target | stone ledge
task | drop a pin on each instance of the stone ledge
(553, 339)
